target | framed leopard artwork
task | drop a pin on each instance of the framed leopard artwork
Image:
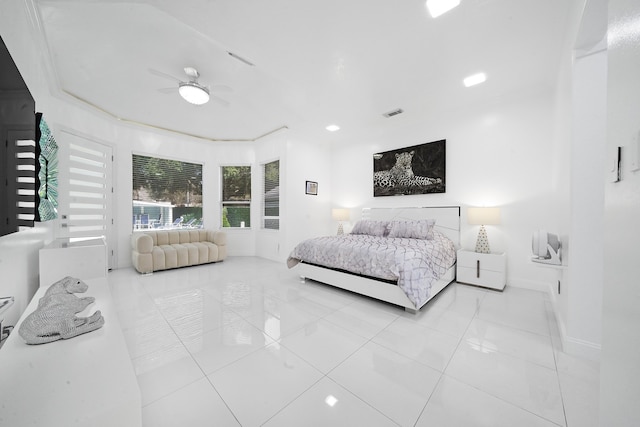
(419, 169)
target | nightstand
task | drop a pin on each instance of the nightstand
(487, 270)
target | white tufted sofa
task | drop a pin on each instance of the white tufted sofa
(155, 250)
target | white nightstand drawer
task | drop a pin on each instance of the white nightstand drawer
(488, 270)
(487, 278)
(470, 259)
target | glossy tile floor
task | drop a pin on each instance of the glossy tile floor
(245, 342)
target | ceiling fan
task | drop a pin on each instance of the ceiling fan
(191, 90)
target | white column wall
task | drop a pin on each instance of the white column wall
(619, 369)
(581, 325)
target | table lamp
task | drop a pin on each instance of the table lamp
(340, 215)
(482, 217)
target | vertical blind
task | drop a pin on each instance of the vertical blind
(271, 195)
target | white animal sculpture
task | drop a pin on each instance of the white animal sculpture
(67, 285)
(55, 318)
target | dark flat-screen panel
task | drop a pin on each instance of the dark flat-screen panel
(17, 148)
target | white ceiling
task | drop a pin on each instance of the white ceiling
(316, 62)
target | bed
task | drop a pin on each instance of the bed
(404, 270)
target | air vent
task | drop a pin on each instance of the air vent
(393, 113)
(241, 59)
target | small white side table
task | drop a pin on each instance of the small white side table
(85, 259)
(486, 270)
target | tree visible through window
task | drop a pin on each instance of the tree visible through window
(166, 193)
(236, 196)
(271, 195)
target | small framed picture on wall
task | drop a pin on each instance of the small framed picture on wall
(311, 187)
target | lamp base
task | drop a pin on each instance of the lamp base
(340, 229)
(482, 243)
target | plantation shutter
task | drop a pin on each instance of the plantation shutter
(85, 190)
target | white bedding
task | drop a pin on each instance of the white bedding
(414, 263)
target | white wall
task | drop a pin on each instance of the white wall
(308, 159)
(498, 154)
(579, 189)
(619, 369)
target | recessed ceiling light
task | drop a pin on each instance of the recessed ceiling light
(331, 400)
(475, 79)
(333, 128)
(438, 7)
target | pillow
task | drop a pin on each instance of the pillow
(420, 229)
(371, 228)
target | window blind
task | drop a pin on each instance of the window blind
(271, 195)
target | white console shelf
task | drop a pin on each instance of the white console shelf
(87, 380)
(84, 259)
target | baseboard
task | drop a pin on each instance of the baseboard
(581, 348)
(529, 284)
(570, 345)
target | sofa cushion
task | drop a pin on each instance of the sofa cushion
(162, 238)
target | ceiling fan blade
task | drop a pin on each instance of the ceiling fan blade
(165, 75)
(221, 88)
(220, 101)
(168, 89)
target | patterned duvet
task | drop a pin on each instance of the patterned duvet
(414, 263)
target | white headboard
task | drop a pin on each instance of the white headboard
(447, 217)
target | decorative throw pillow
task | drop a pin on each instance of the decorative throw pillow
(419, 229)
(371, 228)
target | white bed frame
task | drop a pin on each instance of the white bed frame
(447, 222)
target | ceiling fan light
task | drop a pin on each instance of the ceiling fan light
(194, 93)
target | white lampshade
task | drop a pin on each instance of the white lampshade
(194, 93)
(483, 216)
(340, 214)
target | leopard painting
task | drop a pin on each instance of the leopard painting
(400, 178)
(400, 173)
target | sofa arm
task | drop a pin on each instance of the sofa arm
(218, 237)
(142, 243)
(141, 252)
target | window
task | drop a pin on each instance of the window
(236, 196)
(166, 193)
(271, 195)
